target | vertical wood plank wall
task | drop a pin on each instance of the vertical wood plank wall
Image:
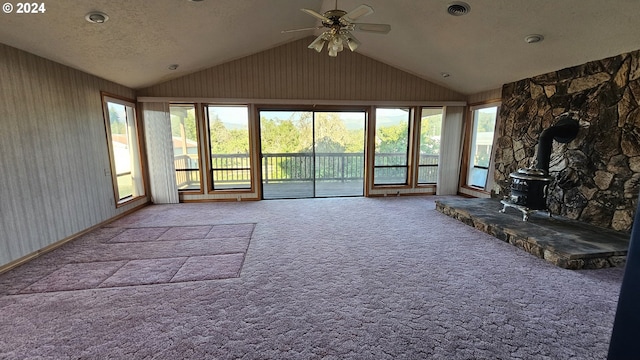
(485, 96)
(292, 71)
(54, 165)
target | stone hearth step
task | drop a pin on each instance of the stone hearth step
(564, 242)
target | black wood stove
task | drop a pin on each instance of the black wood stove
(529, 186)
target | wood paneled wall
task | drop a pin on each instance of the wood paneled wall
(494, 94)
(54, 164)
(292, 71)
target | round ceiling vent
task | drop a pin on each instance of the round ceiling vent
(458, 8)
(533, 38)
(96, 17)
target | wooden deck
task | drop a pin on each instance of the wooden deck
(299, 189)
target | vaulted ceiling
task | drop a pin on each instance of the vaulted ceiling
(481, 50)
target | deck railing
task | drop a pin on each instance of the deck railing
(300, 166)
(187, 171)
(285, 167)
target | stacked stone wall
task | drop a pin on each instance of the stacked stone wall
(597, 174)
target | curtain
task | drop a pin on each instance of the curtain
(491, 177)
(450, 151)
(162, 172)
(134, 153)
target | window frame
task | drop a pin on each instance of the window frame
(418, 130)
(115, 99)
(409, 178)
(198, 116)
(207, 145)
(468, 153)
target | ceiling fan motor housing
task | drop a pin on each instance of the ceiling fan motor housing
(335, 16)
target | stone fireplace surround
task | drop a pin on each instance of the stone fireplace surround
(597, 175)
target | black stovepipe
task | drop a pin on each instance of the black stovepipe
(564, 130)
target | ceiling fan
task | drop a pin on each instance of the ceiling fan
(340, 24)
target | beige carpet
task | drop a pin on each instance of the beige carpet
(129, 256)
(347, 278)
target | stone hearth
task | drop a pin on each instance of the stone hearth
(564, 242)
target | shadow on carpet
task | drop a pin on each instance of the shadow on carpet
(132, 256)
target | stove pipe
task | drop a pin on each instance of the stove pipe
(564, 130)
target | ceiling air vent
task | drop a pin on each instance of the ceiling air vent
(458, 8)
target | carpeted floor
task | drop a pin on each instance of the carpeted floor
(130, 256)
(347, 278)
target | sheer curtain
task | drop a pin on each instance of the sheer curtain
(162, 172)
(134, 153)
(450, 151)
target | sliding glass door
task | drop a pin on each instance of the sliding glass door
(339, 153)
(312, 154)
(287, 154)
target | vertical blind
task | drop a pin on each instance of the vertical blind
(450, 151)
(162, 172)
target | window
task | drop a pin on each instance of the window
(430, 131)
(229, 147)
(184, 135)
(122, 140)
(391, 146)
(482, 130)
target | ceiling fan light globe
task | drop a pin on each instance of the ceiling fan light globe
(336, 48)
(352, 43)
(318, 43)
(336, 43)
(332, 52)
(318, 46)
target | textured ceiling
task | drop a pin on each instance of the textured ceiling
(481, 50)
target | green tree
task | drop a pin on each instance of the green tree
(486, 121)
(219, 137)
(117, 122)
(430, 131)
(279, 136)
(331, 133)
(392, 139)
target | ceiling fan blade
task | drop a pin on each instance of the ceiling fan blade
(319, 16)
(304, 29)
(360, 11)
(374, 28)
